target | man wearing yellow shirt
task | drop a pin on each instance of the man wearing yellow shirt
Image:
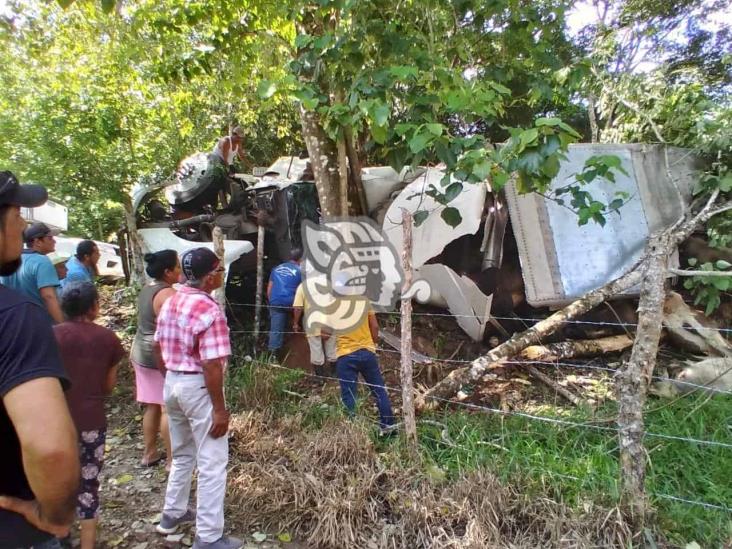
(320, 349)
(356, 353)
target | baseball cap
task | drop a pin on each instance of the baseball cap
(198, 262)
(38, 230)
(15, 194)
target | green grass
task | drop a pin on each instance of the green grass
(576, 465)
(570, 464)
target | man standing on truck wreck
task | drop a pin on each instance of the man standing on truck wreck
(220, 162)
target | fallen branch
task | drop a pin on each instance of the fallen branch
(549, 382)
(533, 336)
(577, 348)
(682, 272)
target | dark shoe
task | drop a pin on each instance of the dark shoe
(224, 542)
(330, 368)
(168, 524)
(321, 374)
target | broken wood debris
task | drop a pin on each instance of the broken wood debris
(691, 330)
(576, 348)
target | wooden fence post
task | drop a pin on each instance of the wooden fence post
(634, 377)
(260, 282)
(218, 248)
(410, 424)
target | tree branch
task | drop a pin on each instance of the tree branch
(682, 272)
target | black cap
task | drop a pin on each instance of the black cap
(198, 262)
(15, 194)
(38, 230)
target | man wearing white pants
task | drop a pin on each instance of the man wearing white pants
(192, 345)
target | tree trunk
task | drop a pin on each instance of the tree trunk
(137, 273)
(342, 175)
(323, 153)
(410, 424)
(533, 336)
(634, 377)
(355, 163)
(592, 114)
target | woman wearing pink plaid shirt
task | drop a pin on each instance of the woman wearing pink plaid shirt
(193, 343)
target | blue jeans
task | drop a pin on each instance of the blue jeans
(365, 363)
(278, 322)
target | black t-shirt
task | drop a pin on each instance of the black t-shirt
(27, 351)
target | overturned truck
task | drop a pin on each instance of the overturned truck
(509, 250)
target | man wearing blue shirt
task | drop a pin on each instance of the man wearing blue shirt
(37, 278)
(283, 282)
(82, 266)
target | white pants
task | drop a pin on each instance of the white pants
(320, 350)
(189, 418)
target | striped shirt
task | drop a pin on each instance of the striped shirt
(191, 329)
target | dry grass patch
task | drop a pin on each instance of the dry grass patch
(332, 489)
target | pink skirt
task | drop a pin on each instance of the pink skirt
(149, 384)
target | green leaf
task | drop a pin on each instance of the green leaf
(420, 217)
(418, 142)
(403, 129)
(548, 121)
(379, 134)
(550, 167)
(259, 537)
(499, 180)
(65, 3)
(500, 88)
(692, 261)
(722, 283)
(615, 204)
(451, 216)
(402, 72)
(725, 183)
(722, 264)
(108, 5)
(381, 114)
(302, 40)
(434, 129)
(266, 89)
(528, 137)
(481, 169)
(284, 537)
(444, 153)
(453, 190)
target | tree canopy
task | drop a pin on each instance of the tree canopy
(99, 95)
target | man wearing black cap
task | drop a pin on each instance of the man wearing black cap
(39, 461)
(37, 277)
(193, 344)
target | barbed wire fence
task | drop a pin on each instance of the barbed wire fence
(612, 430)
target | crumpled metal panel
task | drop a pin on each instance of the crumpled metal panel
(560, 260)
(153, 240)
